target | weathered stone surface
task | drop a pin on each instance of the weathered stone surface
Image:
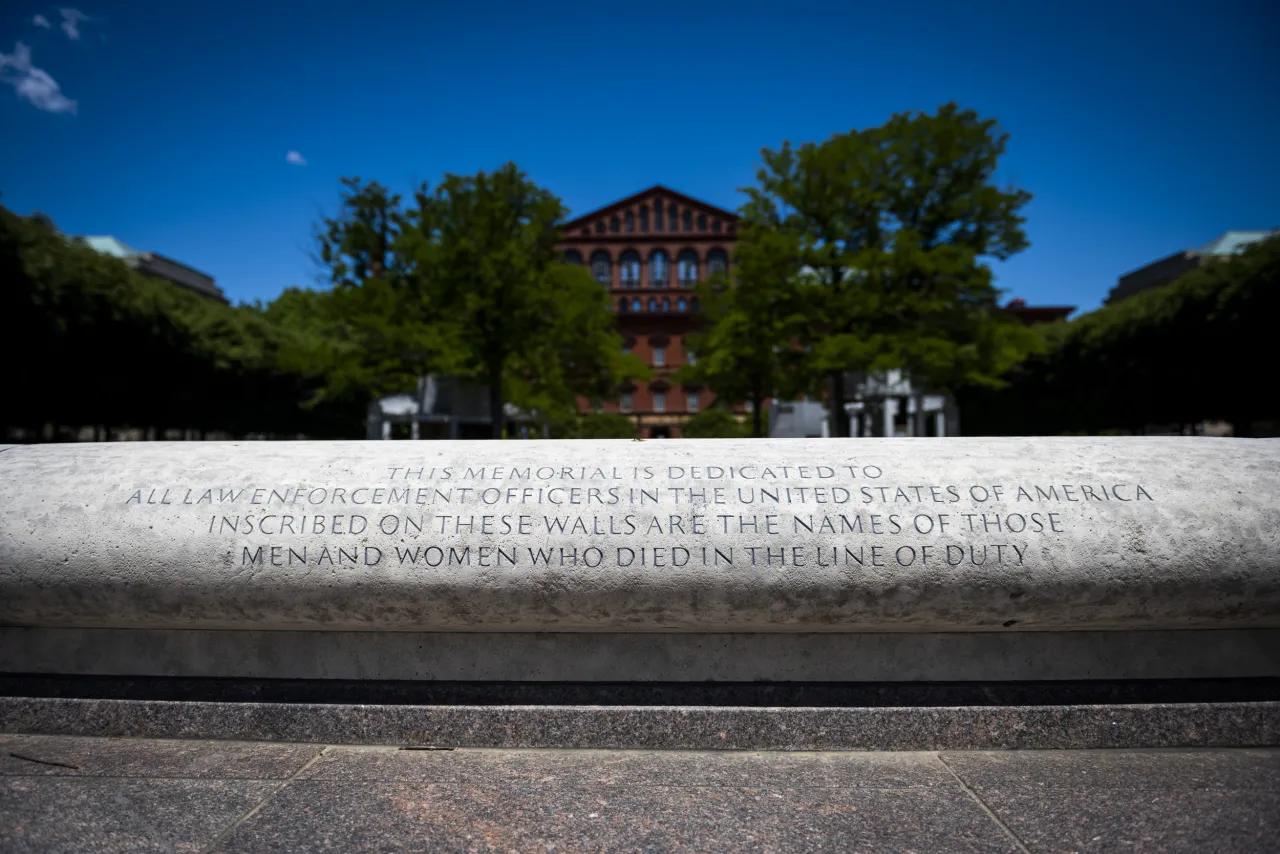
(918, 535)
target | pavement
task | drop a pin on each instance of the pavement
(79, 794)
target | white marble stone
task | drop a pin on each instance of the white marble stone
(787, 535)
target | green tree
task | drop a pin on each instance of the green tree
(599, 425)
(374, 332)
(1174, 355)
(747, 351)
(576, 353)
(893, 225)
(524, 323)
(117, 349)
(716, 423)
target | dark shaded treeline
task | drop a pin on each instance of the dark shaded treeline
(1201, 349)
(93, 343)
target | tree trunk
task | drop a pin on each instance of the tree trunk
(495, 401)
(839, 418)
(756, 417)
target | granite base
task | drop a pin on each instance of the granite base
(1249, 724)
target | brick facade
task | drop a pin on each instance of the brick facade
(649, 249)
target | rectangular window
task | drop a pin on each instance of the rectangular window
(625, 403)
(659, 401)
(659, 356)
(692, 397)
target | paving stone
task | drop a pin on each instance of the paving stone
(36, 755)
(1048, 819)
(1141, 800)
(1121, 769)
(514, 816)
(631, 768)
(90, 815)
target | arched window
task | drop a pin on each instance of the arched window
(715, 226)
(644, 219)
(657, 214)
(635, 304)
(666, 304)
(614, 225)
(688, 220)
(659, 269)
(629, 269)
(717, 262)
(573, 256)
(653, 304)
(702, 222)
(694, 304)
(680, 306)
(673, 220)
(622, 305)
(600, 227)
(602, 267)
(687, 268)
(629, 222)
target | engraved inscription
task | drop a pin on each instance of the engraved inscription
(852, 515)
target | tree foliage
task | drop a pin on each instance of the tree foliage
(372, 332)
(1180, 354)
(98, 344)
(717, 423)
(465, 281)
(893, 225)
(598, 425)
(747, 350)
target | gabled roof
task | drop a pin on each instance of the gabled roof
(655, 190)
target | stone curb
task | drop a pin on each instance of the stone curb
(662, 727)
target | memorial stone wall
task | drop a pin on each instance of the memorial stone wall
(752, 536)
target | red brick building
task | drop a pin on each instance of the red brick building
(649, 250)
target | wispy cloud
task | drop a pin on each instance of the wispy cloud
(293, 158)
(40, 21)
(71, 19)
(31, 83)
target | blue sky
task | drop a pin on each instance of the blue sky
(1141, 127)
